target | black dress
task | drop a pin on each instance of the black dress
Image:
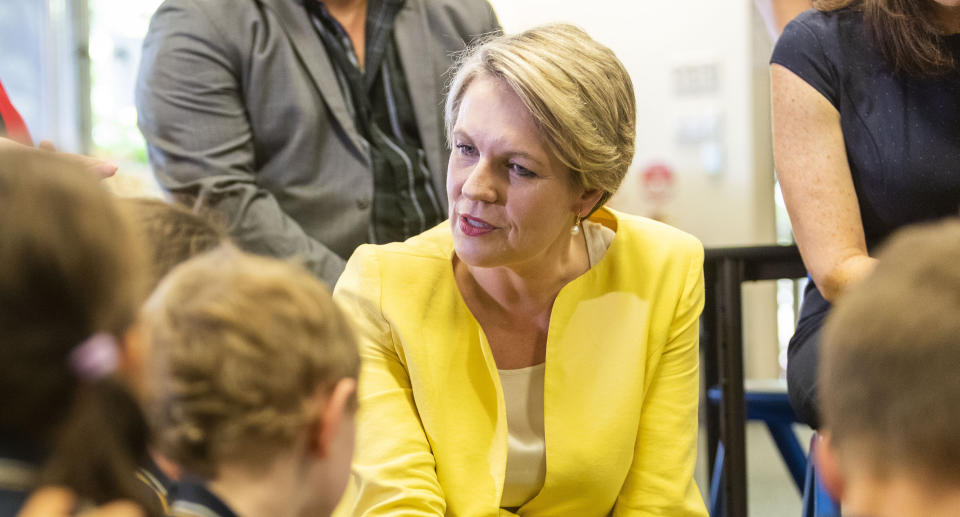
(902, 137)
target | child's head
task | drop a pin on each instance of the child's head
(172, 234)
(890, 360)
(254, 364)
(70, 285)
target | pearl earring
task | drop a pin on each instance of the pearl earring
(576, 226)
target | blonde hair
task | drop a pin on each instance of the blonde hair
(578, 92)
(240, 345)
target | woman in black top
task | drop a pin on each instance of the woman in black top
(866, 122)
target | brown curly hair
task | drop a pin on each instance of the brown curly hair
(171, 233)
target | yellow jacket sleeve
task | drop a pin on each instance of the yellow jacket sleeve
(666, 448)
(394, 468)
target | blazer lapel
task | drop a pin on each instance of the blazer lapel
(410, 34)
(296, 22)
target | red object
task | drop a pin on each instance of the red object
(658, 180)
(11, 123)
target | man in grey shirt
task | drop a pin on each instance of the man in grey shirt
(309, 126)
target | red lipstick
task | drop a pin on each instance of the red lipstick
(474, 227)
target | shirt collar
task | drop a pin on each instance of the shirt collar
(195, 500)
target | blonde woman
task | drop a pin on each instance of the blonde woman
(536, 354)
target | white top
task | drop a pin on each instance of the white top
(526, 451)
(598, 239)
(523, 396)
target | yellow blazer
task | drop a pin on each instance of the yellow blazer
(620, 388)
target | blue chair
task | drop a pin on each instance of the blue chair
(766, 401)
(817, 502)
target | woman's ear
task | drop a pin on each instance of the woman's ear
(588, 201)
(334, 406)
(828, 466)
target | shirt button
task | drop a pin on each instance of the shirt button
(363, 203)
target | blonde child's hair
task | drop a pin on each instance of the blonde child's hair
(240, 345)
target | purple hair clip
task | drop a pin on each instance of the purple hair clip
(96, 357)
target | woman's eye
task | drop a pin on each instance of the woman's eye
(465, 149)
(520, 170)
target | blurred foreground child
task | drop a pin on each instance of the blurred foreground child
(252, 390)
(889, 371)
(69, 288)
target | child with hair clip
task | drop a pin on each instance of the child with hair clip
(70, 284)
(252, 386)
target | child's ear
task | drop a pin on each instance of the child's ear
(335, 405)
(828, 466)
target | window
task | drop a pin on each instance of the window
(39, 42)
(117, 29)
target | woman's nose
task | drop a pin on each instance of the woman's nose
(480, 183)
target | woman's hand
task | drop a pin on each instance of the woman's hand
(60, 502)
(14, 154)
(811, 163)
